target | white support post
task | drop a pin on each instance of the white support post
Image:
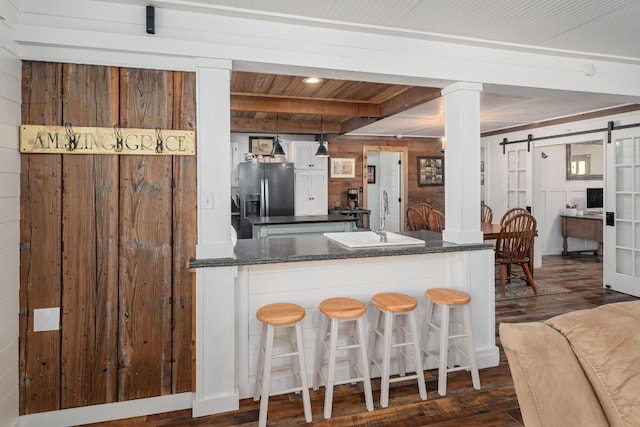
(462, 163)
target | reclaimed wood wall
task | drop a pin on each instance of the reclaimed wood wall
(106, 238)
(350, 147)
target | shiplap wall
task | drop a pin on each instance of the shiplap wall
(9, 216)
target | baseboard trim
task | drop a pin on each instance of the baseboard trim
(216, 405)
(108, 411)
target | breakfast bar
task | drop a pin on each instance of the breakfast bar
(307, 269)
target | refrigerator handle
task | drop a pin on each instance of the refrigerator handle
(263, 207)
(266, 196)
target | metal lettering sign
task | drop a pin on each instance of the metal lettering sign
(99, 140)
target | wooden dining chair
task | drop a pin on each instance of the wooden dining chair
(424, 209)
(512, 212)
(513, 248)
(486, 214)
(435, 220)
(415, 219)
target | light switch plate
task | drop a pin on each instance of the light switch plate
(46, 319)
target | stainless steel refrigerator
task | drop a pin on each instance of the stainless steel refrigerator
(265, 189)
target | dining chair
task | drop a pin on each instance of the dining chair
(513, 248)
(415, 219)
(423, 208)
(512, 212)
(486, 214)
(435, 220)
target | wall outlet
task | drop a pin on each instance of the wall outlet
(46, 319)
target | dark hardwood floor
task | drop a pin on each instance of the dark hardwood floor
(495, 405)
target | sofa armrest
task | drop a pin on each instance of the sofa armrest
(551, 386)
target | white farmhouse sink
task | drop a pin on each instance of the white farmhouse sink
(369, 239)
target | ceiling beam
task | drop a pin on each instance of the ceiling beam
(356, 123)
(306, 127)
(409, 98)
(303, 106)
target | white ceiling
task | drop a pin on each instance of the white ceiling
(597, 29)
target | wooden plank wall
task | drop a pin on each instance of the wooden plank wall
(106, 238)
(352, 148)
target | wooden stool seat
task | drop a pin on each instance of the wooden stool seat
(351, 312)
(446, 300)
(342, 308)
(448, 296)
(393, 306)
(397, 303)
(280, 314)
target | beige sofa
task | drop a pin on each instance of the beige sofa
(578, 369)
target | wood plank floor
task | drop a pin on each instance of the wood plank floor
(495, 405)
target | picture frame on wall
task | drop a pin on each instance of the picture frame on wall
(342, 168)
(430, 170)
(261, 145)
(371, 174)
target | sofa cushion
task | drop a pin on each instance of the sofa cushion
(606, 341)
(552, 388)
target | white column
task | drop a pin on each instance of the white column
(214, 164)
(462, 163)
(215, 291)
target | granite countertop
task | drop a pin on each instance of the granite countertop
(303, 219)
(316, 247)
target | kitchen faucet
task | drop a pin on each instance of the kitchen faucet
(384, 211)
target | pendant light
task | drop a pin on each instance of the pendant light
(277, 147)
(322, 149)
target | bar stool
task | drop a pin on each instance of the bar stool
(286, 315)
(448, 299)
(346, 310)
(390, 305)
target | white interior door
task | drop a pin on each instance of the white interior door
(622, 212)
(390, 182)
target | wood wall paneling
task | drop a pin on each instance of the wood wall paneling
(40, 243)
(107, 239)
(89, 257)
(184, 243)
(352, 148)
(145, 242)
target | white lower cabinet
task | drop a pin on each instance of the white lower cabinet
(311, 196)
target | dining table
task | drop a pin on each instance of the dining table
(492, 231)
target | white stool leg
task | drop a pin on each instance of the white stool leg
(471, 352)
(266, 377)
(368, 395)
(424, 335)
(317, 364)
(261, 349)
(306, 400)
(417, 355)
(386, 358)
(331, 374)
(401, 327)
(444, 349)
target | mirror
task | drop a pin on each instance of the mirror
(585, 160)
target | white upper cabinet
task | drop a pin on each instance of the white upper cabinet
(303, 155)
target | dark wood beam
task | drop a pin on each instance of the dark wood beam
(303, 106)
(356, 123)
(305, 127)
(410, 98)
